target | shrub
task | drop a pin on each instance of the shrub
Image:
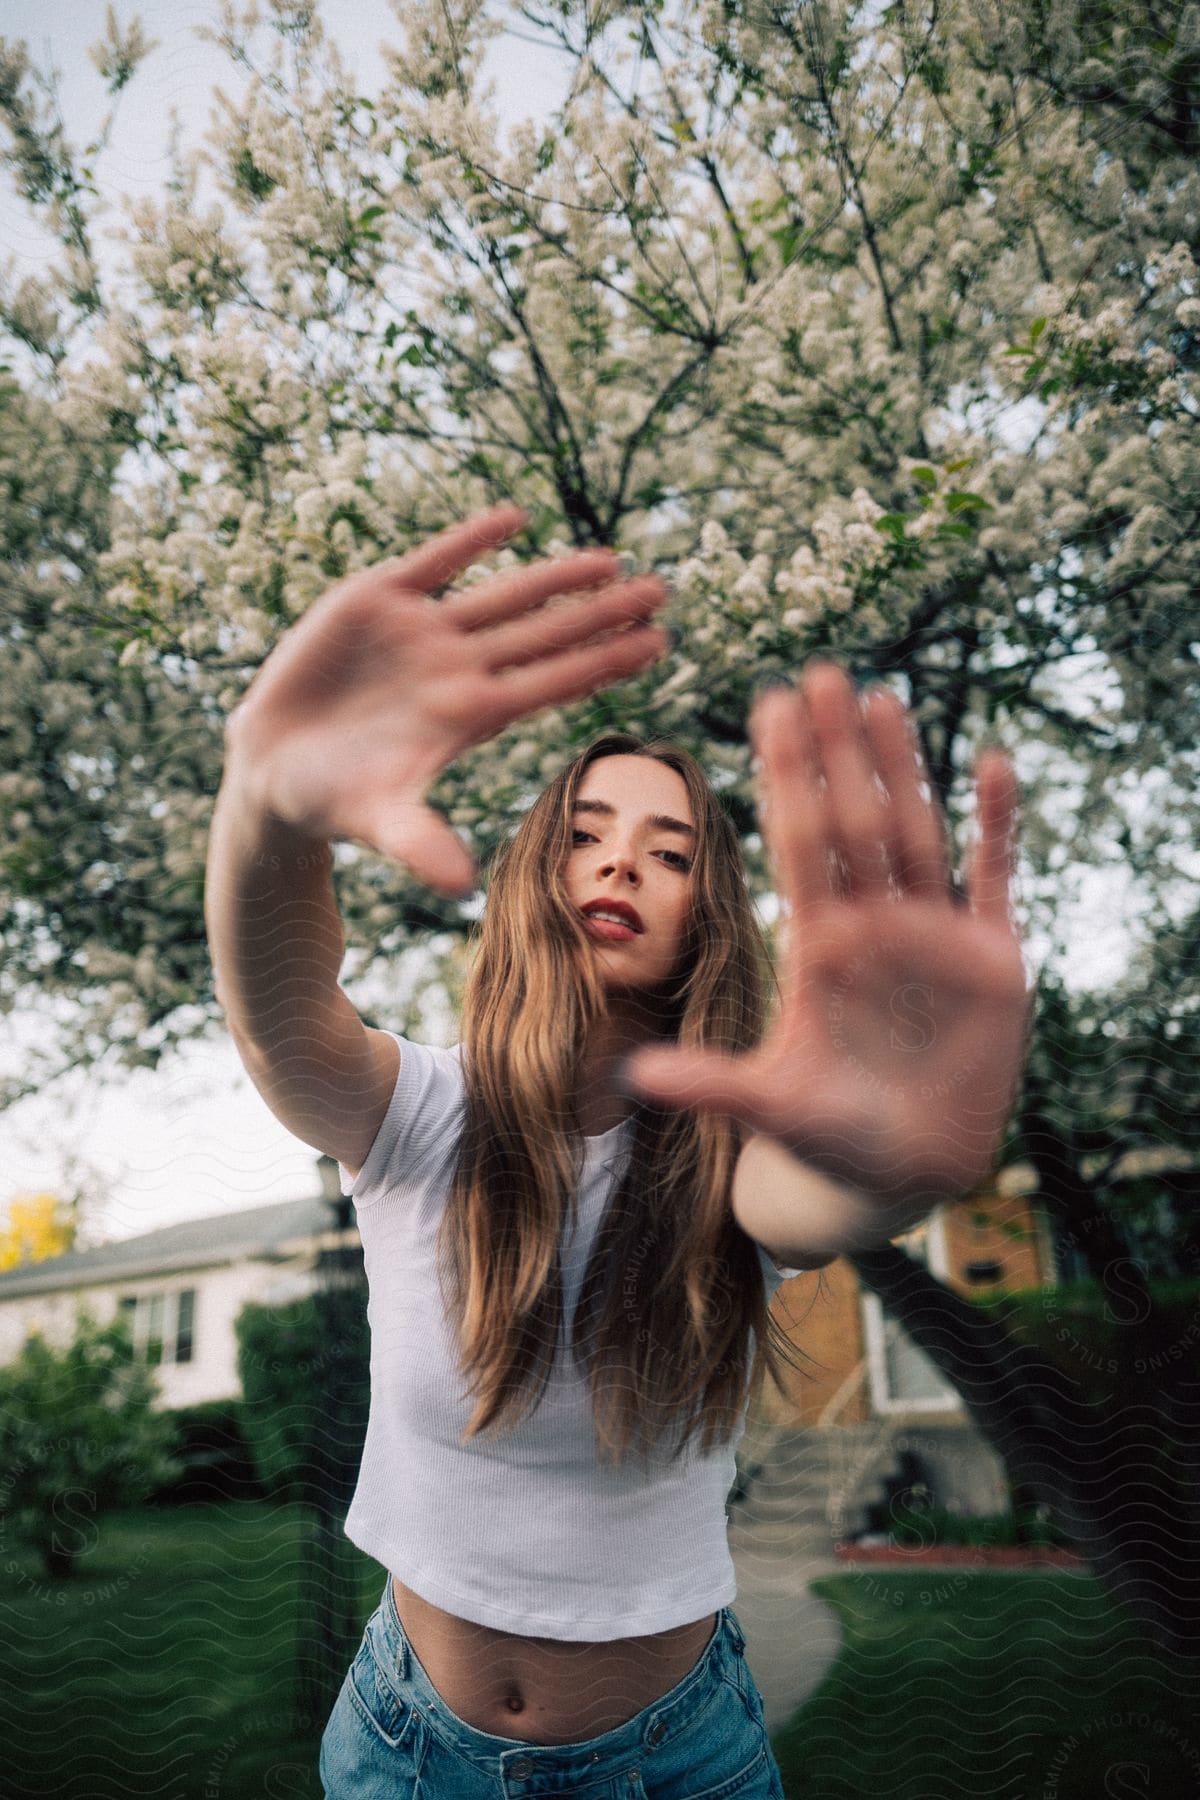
(305, 1370)
(217, 1461)
(79, 1437)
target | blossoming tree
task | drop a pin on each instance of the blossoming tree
(877, 328)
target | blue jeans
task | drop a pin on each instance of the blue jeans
(391, 1736)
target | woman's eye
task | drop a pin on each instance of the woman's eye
(675, 856)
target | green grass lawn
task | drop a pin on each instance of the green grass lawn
(965, 1685)
(166, 1670)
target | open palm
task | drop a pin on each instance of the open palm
(379, 687)
(895, 1053)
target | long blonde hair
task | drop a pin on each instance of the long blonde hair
(673, 1292)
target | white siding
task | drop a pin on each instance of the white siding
(212, 1374)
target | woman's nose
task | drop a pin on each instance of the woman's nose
(621, 863)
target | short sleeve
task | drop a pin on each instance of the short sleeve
(426, 1106)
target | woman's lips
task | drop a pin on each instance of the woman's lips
(609, 928)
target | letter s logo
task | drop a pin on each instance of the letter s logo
(1127, 1781)
(1133, 1304)
(918, 1027)
(80, 1534)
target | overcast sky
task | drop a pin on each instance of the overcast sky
(195, 1138)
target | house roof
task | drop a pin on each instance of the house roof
(259, 1232)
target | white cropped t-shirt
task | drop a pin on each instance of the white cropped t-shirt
(528, 1532)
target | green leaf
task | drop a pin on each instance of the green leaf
(955, 528)
(372, 212)
(958, 502)
(1036, 330)
(926, 476)
(892, 525)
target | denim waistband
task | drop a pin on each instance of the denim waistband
(610, 1753)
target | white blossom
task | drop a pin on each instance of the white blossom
(324, 341)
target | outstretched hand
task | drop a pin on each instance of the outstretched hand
(378, 687)
(894, 1057)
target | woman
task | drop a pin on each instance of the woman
(570, 1248)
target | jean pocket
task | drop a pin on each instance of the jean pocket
(378, 1702)
(723, 1753)
(752, 1780)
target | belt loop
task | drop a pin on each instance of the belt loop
(391, 1615)
(735, 1631)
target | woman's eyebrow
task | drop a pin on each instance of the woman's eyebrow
(660, 821)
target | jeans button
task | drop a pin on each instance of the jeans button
(522, 1767)
(656, 1733)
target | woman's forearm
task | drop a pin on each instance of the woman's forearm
(274, 930)
(804, 1217)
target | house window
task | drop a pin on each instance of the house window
(902, 1377)
(161, 1324)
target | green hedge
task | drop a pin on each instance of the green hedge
(917, 1528)
(218, 1461)
(305, 1372)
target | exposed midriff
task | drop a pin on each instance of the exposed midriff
(545, 1690)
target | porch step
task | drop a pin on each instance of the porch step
(803, 1489)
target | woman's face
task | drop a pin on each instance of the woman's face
(633, 842)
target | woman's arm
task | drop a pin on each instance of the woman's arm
(895, 1056)
(805, 1219)
(276, 941)
(344, 728)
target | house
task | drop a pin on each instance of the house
(182, 1286)
(863, 1366)
(867, 1414)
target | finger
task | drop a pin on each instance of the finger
(915, 828)
(991, 862)
(854, 809)
(414, 835)
(514, 591)
(554, 680)
(436, 562)
(604, 609)
(302, 659)
(790, 804)
(702, 1080)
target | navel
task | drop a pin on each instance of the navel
(515, 1700)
